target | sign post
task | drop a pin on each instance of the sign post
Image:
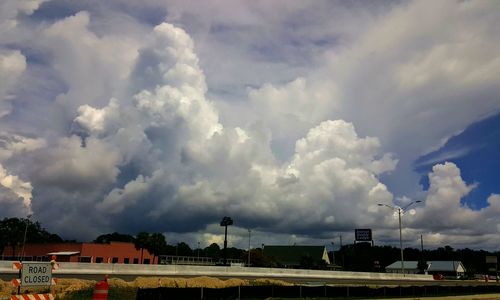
(34, 274)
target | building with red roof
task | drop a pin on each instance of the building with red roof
(114, 252)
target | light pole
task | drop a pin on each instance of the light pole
(226, 221)
(333, 253)
(249, 235)
(24, 240)
(400, 211)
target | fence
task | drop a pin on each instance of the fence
(195, 260)
(263, 292)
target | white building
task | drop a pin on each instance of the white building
(452, 268)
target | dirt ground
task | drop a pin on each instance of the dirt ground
(64, 286)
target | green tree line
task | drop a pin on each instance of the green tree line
(13, 231)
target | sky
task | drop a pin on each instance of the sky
(295, 118)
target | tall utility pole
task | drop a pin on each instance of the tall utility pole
(422, 249)
(401, 243)
(341, 253)
(422, 244)
(333, 253)
(400, 211)
(249, 234)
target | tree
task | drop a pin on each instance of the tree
(306, 262)
(141, 242)
(169, 250)
(183, 249)
(422, 266)
(212, 251)
(14, 232)
(3, 237)
(156, 244)
(258, 259)
(114, 237)
(235, 253)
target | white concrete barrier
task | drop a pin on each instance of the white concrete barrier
(190, 270)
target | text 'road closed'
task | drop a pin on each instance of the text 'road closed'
(36, 274)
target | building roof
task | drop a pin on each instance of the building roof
(293, 255)
(408, 265)
(63, 253)
(446, 266)
(432, 266)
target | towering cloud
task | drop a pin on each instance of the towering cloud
(162, 153)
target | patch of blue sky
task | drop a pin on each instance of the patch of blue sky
(52, 11)
(292, 51)
(325, 42)
(267, 52)
(146, 14)
(34, 55)
(476, 152)
(59, 9)
(223, 29)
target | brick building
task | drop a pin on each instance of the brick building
(114, 252)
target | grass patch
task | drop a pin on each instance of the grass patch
(120, 293)
(76, 295)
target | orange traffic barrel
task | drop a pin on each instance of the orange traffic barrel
(101, 290)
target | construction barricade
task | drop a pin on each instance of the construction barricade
(101, 289)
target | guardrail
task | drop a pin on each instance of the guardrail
(233, 271)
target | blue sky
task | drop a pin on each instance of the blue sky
(294, 118)
(475, 151)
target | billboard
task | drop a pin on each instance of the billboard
(363, 235)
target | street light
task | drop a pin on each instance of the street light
(25, 233)
(249, 234)
(226, 221)
(400, 211)
(333, 253)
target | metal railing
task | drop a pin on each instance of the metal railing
(195, 260)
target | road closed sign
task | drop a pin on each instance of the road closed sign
(36, 274)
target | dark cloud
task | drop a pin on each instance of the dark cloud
(12, 205)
